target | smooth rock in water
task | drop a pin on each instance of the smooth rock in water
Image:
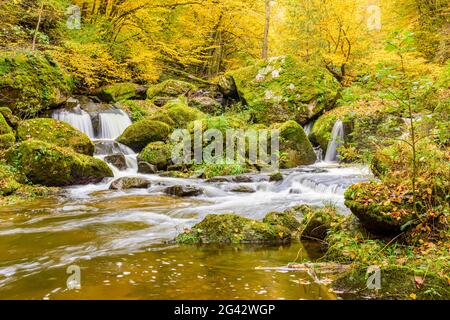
(146, 168)
(231, 228)
(243, 189)
(183, 191)
(238, 179)
(275, 177)
(117, 160)
(130, 183)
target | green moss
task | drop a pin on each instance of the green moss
(10, 180)
(158, 154)
(143, 132)
(317, 222)
(294, 145)
(398, 283)
(389, 214)
(366, 124)
(230, 228)
(284, 219)
(4, 127)
(162, 115)
(7, 140)
(284, 89)
(50, 165)
(181, 113)
(138, 109)
(206, 104)
(55, 132)
(119, 92)
(30, 83)
(170, 88)
(11, 119)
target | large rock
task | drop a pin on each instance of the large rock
(55, 132)
(130, 183)
(390, 214)
(206, 105)
(227, 87)
(117, 160)
(158, 154)
(31, 83)
(143, 132)
(181, 113)
(10, 118)
(283, 88)
(295, 145)
(165, 91)
(183, 191)
(51, 165)
(230, 228)
(7, 136)
(7, 140)
(146, 168)
(121, 92)
(316, 223)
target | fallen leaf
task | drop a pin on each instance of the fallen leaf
(413, 296)
(419, 281)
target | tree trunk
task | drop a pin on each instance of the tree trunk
(265, 49)
(41, 10)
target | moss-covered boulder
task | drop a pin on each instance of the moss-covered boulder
(230, 228)
(10, 180)
(7, 140)
(317, 222)
(158, 154)
(163, 116)
(295, 147)
(51, 165)
(31, 82)
(285, 219)
(165, 91)
(4, 126)
(206, 104)
(397, 283)
(137, 109)
(284, 88)
(383, 209)
(181, 113)
(10, 118)
(121, 92)
(143, 132)
(55, 132)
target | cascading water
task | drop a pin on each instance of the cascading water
(308, 127)
(337, 139)
(78, 118)
(113, 124)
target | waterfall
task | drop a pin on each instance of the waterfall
(319, 153)
(337, 138)
(78, 118)
(308, 127)
(113, 124)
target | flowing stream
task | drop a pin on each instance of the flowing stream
(120, 239)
